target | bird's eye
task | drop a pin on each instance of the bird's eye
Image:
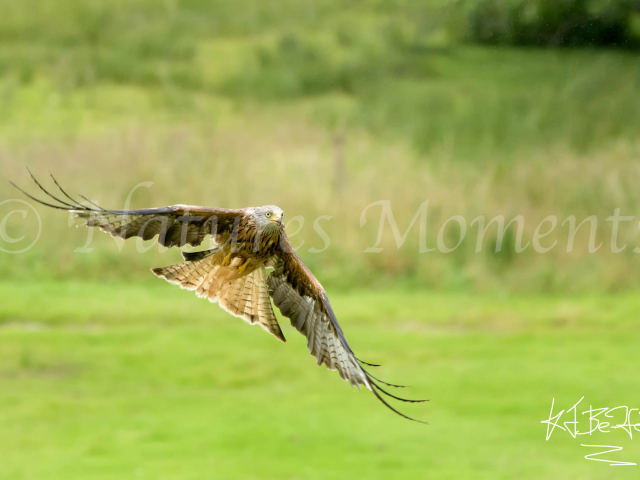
(268, 214)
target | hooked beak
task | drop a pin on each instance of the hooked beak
(277, 220)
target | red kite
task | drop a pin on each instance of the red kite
(234, 273)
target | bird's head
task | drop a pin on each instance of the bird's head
(269, 218)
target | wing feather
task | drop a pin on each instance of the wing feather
(174, 225)
(300, 297)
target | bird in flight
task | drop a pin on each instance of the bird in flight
(234, 273)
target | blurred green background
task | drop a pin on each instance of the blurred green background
(481, 107)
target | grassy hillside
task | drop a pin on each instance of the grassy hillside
(321, 109)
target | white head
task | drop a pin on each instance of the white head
(269, 218)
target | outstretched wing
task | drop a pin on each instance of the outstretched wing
(175, 225)
(301, 298)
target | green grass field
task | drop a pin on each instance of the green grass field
(101, 381)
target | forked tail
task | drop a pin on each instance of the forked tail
(246, 296)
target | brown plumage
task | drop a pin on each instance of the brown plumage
(233, 274)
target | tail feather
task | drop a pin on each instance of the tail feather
(244, 303)
(246, 297)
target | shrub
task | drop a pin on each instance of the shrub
(553, 22)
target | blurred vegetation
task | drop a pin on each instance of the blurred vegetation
(555, 23)
(240, 103)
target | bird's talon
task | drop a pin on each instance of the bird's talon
(242, 268)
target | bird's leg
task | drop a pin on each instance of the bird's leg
(243, 267)
(227, 260)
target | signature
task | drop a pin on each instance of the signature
(597, 420)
